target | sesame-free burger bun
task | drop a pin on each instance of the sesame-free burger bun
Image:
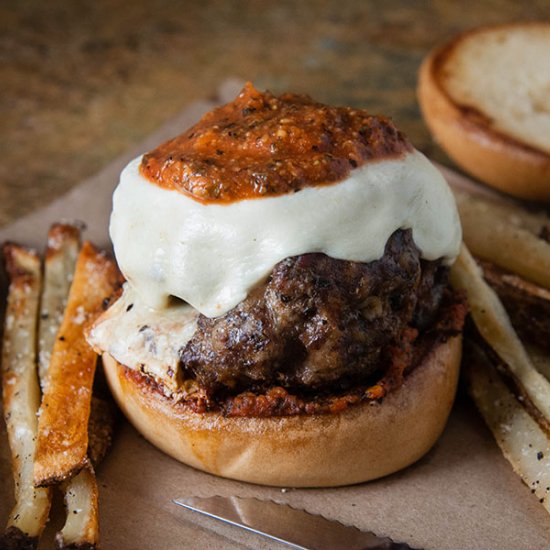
(364, 442)
(484, 98)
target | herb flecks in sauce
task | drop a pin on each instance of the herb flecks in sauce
(261, 145)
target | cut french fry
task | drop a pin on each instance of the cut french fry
(59, 266)
(81, 495)
(494, 326)
(522, 441)
(81, 530)
(506, 236)
(63, 422)
(21, 396)
(527, 304)
(80, 492)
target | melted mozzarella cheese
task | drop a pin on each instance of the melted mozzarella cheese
(144, 339)
(211, 255)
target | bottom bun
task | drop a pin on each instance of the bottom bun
(364, 442)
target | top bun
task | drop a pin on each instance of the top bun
(485, 98)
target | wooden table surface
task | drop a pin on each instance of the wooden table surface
(81, 81)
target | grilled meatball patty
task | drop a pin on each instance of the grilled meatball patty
(317, 322)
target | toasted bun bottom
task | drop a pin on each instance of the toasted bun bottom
(364, 442)
(495, 158)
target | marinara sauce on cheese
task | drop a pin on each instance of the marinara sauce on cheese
(206, 216)
(260, 145)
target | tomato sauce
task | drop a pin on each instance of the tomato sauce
(261, 145)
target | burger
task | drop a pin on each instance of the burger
(287, 318)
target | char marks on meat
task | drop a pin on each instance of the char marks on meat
(317, 323)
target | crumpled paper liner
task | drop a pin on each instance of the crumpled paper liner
(463, 494)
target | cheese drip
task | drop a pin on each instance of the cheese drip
(211, 255)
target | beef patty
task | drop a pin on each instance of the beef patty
(317, 322)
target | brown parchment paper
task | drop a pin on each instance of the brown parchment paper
(462, 495)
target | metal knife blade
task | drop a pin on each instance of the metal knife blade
(296, 528)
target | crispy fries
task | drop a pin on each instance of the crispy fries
(81, 495)
(81, 530)
(61, 253)
(68, 435)
(509, 384)
(522, 441)
(527, 304)
(80, 492)
(21, 395)
(506, 236)
(509, 391)
(62, 428)
(494, 326)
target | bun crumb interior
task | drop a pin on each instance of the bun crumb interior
(486, 98)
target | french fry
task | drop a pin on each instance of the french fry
(21, 396)
(505, 235)
(62, 444)
(494, 326)
(81, 530)
(80, 492)
(59, 265)
(527, 304)
(522, 441)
